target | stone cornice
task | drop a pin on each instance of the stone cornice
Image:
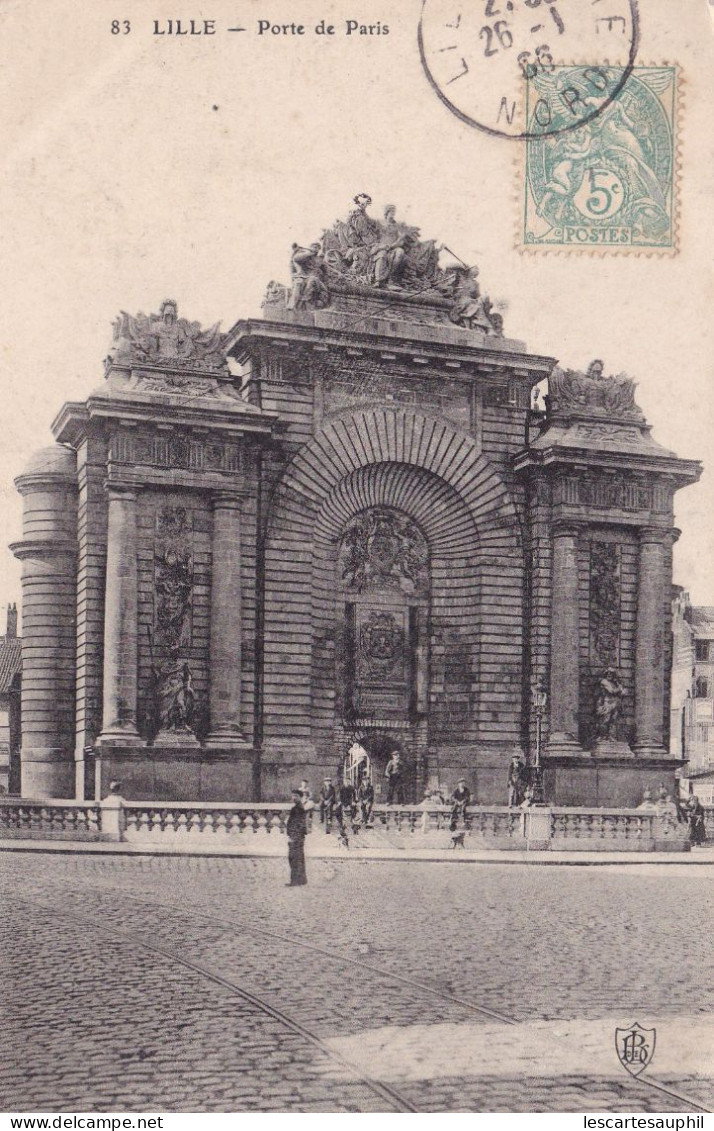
(71, 423)
(44, 481)
(438, 344)
(659, 462)
(43, 548)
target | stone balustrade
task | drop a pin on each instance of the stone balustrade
(49, 820)
(604, 826)
(262, 826)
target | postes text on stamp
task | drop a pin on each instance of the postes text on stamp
(610, 183)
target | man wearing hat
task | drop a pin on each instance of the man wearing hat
(296, 829)
(327, 799)
(460, 799)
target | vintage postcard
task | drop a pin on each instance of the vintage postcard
(356, 587)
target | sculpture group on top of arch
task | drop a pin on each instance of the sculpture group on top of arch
(366, 254)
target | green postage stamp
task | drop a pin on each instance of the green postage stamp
(607, 183)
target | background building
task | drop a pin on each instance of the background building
(10, 680)
(692, 715)
(343, 521)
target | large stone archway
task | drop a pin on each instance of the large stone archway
(431, 472)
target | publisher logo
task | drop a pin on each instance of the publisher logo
(635, 1047)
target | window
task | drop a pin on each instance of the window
(702, 649)
(702, 688)
(702, 733)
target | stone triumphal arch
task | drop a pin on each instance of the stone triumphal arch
(347, 521)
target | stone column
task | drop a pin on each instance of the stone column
(48, 554)
(226, 614)
(564, 645)
(120, 621)
(653, 585)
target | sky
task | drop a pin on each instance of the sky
(139, 167)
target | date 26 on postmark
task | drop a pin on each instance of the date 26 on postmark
(479, 57)
(609, 184)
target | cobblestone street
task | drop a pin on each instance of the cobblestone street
(203, 984)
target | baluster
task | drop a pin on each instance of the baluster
(143, 824)
(95, 821)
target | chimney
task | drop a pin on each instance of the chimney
(12, 620)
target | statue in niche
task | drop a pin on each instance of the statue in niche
(175, 698)
(171, 705)
(608, 705)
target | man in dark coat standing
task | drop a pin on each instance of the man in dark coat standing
(296, 829)
(327, 800)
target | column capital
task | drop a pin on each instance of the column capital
(655, 535)
(566, 528)
(226, 500)
(118, 490)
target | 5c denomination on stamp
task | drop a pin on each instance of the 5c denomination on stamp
(481, 57)
(609, 184)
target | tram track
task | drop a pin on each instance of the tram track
(334, 956)
(209, 916)
(396, 1101)
(351, 961)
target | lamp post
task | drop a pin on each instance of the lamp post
(539, 702)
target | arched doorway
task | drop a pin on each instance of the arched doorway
(380, 745)
(469, 694)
